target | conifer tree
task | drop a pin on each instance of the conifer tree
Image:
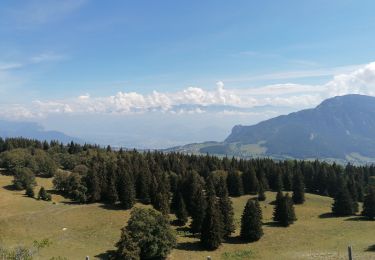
(226, 208)
(343, 203)
(212, 227)
(251, 222)
(369, 203)
(126, 191)
(180, 211)
(143, 185)
(278, 204)
(30, 191)
(261, 194)
(287, 214)
(250, 181)
(298, 189)
(284, 210)
(234, 183)
(161, 197)
(198, 203)
(43, 195)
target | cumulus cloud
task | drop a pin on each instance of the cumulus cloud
(197, 100)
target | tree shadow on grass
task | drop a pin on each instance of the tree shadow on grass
(272, 224)
(190, 246)
(358, 218)
(371, 248)
(112, 206)
(107, 255)
(10, 187)
(234, 240)
(327, 215)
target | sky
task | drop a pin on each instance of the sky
(154, 74)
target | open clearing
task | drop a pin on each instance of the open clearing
(79, 230)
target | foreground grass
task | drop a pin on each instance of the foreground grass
(79, 230)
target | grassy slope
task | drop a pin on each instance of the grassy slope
(92, 229)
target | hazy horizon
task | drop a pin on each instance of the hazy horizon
(156, 75)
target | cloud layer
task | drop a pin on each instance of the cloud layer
(197, 100)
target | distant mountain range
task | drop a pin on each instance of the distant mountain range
(340, 128)
(32, 130)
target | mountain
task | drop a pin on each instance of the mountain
(340, 128)
(32, 130)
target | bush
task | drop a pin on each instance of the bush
(23, 178)
(148, 235)
(44, 195)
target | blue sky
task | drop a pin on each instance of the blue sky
(104, 59)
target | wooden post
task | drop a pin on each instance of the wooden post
(87, 258)
(350, 252)
(208, 257)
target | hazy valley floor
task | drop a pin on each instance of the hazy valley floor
(79, 230)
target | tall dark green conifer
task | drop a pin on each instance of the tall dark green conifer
(369, 203)
(198, 209)
(126, 191)
(298, 189)
(343, 203)
(250, 181)
(226, 208)
(278, 204)
(212, 227)
(180, 210)
(261, 194)
(287, 214)
(251, 222)
(234, 183)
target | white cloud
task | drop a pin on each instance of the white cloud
(197, 100)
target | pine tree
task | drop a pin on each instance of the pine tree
(160, 200)
(234, 183)
(198, 203)
(343, 203)
(212, 227)
(126, 191)
(287, 214)
(251, 222)
(180, 211)
(278, 204)
(43, 195)
(226, 208)
(30, 191)
(143, 185)
(298, 189)
(261, 194)
(369, 203)
(250, 181)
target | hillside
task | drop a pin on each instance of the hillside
(79, 230)
(341, 128)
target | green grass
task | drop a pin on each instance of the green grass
(93, 229)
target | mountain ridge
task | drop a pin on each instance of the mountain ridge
(341, 128)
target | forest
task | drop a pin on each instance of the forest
(196, 187)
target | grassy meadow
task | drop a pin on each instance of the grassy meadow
(79, 230)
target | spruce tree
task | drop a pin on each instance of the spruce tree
(198, 210)
(30, 191)
(284, 210)
(343, 203)
(180, 210)
(212, 227)
(161, 198)
(261, 194)
(369, 203)
(226, 208)
(126, 191)
(251, 222)
(287, 213)
(298, 189)
(250, 181)
(234, 183)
